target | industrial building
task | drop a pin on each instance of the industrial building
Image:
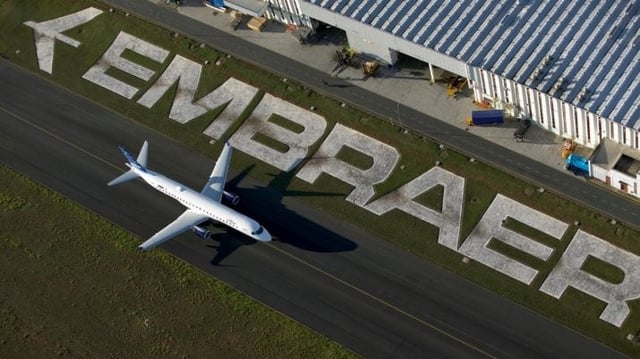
(571, 66)
(283, 11)
(617, 165)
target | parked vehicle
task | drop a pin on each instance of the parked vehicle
(523, 126)
(578, 165)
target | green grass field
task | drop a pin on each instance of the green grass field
(72, 286)
(576, 310)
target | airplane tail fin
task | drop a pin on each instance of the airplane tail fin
(139, 163)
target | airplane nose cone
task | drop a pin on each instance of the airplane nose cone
(265, 236)
(261, 234)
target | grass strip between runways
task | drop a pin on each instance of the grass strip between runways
(72, 286)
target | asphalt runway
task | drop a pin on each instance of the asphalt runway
(370, 296)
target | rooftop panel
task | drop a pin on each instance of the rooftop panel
(397, 14)
(594, 43)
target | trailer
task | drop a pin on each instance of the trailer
(486, 117)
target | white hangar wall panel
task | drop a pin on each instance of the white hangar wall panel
(621, 181)
(380, 44)
(600, 173)
(562, 118)
(287, 12)
(360, 38)
(614, 132)
(365, 44)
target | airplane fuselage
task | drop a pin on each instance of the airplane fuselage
(203, 204)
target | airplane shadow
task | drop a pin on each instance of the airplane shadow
(228, 241)
(228, 244)
(264, 203)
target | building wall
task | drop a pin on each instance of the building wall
(599, 173)
(614, 177)
(287, 12)
(617, 177)
(553, 114)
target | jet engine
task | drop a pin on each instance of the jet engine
(232, 197)
(201, 232)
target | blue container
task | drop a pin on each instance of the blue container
(487, 117)
(578, 164)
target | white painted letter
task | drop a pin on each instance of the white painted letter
(384, 158)
(568, 273)
(490, 226)
(298, 143)
(112, 58)
(448, 221)
(45, 33)
(187, 73)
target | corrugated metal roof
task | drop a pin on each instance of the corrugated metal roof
(585, 52)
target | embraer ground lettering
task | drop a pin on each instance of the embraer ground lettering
(236, 96)
(491, 228)
(297, 143)
(568, 273)
(113, 58)
(324, 160)
(47, 32)
(448, 220)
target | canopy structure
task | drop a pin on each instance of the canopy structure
(255, 8)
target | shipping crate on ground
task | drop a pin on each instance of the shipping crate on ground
(257, 23)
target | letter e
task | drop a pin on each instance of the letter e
(490, 227)
(568, 273)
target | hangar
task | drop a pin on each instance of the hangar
(571, 66)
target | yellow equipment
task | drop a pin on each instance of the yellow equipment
(456, 84)
(567, 148)
(369, 67)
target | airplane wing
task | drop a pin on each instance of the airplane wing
(186, 220)
(215, 185)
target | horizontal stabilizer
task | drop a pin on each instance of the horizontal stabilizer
(125, 177)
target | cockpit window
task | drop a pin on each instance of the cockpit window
(258, 231)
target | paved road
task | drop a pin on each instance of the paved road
(516, 164)
(360, 291)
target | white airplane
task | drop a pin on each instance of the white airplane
(201, 207)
